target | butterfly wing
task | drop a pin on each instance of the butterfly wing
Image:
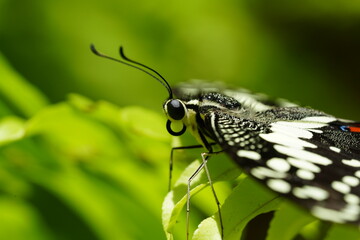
(312, 158)
(256, 101)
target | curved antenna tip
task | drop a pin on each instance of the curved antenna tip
(122, 54)
(93, 49)
(136, 65)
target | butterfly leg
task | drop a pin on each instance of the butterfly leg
(205, 157)
(172, 159)
(188, 196)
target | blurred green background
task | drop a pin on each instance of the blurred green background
(306, 52)
(74, 168)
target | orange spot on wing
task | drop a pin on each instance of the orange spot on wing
(354, 129)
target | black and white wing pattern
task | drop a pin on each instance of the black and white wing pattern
(311, 161)
(303, 154)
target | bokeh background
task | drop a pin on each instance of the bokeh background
(306, 52)
(84, 171)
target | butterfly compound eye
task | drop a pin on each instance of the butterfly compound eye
(175, 109)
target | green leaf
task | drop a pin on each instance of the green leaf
(11, 129)
(73, 133)
(76, 169)
(176, 199)
(147, 133)
(247, 201)
(19, 93)
(20, 221)
(341, 231)
(294, 218)
(208, 229)
(143, 129)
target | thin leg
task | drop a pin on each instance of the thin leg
(172, 160)
(205, 157)
(188, 196)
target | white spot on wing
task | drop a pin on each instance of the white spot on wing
(279, 185)
(316, 130)
(278, 164)
(327, 214)
(305, 165)
(357, 173)
(315, 193)
(319, 119)
(340, 187)
(352, 162)
(286, 140)
(352, 199)
(305, 174)
(249, 154)
(335, 149)
(302, 154)
(262, 173)
(349, 213)
(351, 181)
(278, 127)
(301, 124)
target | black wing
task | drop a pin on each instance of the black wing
(314, 160)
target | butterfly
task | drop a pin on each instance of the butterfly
(306, 155)
(303, 154)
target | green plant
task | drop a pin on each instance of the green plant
(80, 169)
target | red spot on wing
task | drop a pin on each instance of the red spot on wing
(354, 129)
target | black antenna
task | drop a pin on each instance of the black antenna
(158, 77)
(121, 51)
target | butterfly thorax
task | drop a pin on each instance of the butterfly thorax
(204, 104)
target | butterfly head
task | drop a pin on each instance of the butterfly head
(175, 109)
